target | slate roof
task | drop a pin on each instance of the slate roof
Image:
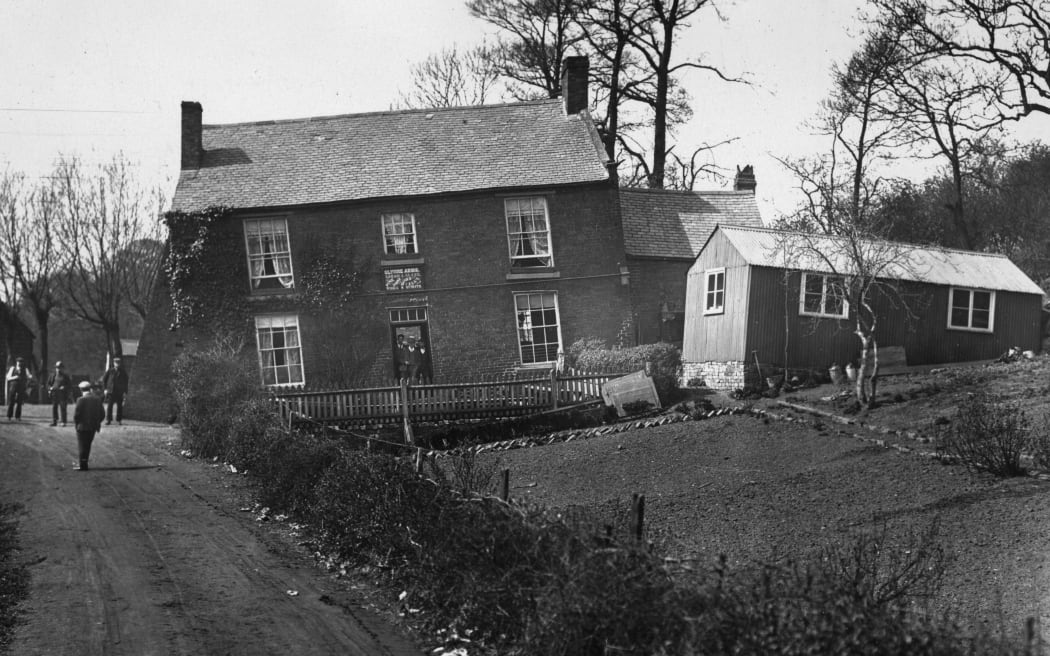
(938, 266)
(676, 224)
(385, 154)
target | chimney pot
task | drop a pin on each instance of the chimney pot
(745, 179)
(192, 140)
(574, 84)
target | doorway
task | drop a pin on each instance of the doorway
(410, 325)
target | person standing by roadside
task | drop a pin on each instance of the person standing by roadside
(424, 375)
(115, 385)
(59, 389)
(17, 384)
(87, 419)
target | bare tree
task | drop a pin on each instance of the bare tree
(541, 34)
(12, 206)
(1008, 39)
(651, 29)
(454, 78)
(106, 216)
(30, 250)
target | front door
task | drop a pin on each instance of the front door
(404, 333)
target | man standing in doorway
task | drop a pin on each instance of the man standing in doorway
(59, 389)
(115, 384)
(87, 418)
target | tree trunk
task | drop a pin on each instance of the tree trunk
(45, 364)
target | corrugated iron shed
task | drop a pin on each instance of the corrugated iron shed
(821, 253)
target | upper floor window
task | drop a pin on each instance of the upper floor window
(280, 353)
(399, 234)
(528, 232)
(971, 309)
(539, 332)
(714, 291)
(823, 296)
(269, 255)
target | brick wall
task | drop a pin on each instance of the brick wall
(468, 297)
(655, 283)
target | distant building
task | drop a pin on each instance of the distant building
(748, 304)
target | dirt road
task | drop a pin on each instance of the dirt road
(147, 553)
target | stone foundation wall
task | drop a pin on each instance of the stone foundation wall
(726, 376)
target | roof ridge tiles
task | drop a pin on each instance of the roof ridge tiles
(389, 112)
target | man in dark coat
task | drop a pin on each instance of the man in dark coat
(87, 418)
(413, 360)
(59, 389)
(115, 384)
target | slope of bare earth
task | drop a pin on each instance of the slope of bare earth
(751, 486)
(148, 553)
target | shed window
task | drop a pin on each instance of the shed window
(714, 291)
(823, 296)
(971, 309)
(269, 255)
(528, 232)
(280, 353)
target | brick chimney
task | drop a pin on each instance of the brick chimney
(745, 179)
(574, 84)
(192, 144)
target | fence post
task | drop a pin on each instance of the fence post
(419, 460)
(637, 515)
(406, 423)
(505, 488)
(554, 388)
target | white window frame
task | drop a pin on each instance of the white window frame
(969, 327)
(258, 277)
(521, 326)
(822, 313)
(399, 220)
(283, 322)
(712, 294)
(515, 212)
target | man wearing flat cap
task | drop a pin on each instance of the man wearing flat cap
(59, 387)
(87, 417)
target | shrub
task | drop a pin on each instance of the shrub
(210, 388)
(989, 434)
(1039, 443)
(665, 360)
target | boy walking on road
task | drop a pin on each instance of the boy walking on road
(87, 417)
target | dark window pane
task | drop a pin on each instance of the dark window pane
(960, 317)
(980, 319)
(982, 301)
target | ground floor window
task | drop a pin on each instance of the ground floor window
(280, 353)
(539, 331)
(971, 309)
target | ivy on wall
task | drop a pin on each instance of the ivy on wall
(203, 267)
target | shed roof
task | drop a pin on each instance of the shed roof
(385, 154)
(676, 224)
(938, 266)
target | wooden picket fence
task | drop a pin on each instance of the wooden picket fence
(377, 406)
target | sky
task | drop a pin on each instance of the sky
(96, 78)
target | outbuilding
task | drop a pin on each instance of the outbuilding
(756, 303)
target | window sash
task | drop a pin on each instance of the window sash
(971, 309)
(399, 234)
(714, 291)
(280, 350)
(528, 232)
(269, 254)
(823, 295)
(539, 327)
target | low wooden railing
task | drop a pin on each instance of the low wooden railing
(386, 405)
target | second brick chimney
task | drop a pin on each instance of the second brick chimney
(574, 84)
(192, 141)
(745, 179)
